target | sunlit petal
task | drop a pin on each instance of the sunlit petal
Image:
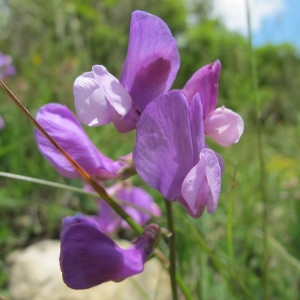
(201, 187)
(97, 95)
(152, 59)
(63, 127)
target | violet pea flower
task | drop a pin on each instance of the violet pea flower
(61, 124)
(137, 203)
(170, 153)
(88, 257)
(221, 124)
(2, 123)
(150, 68)
(7, 69)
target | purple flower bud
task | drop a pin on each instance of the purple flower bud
(88, 257)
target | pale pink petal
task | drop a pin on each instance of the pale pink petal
(213, 177)
(99, 96)
(115, 93)
(224, 126)
(194, 189)
(201, 187)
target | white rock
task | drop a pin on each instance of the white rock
(35, 275)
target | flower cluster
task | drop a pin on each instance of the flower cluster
(170, 154)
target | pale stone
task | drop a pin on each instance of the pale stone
(35, 275)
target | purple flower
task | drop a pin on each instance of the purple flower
(138, 204)
(63, 127)
(171, 156)
(150, 68)
(6, 67)
(222, 124)
(88, 257)
(2, 123)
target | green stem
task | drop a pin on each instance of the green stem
(230, 217)
(183, 288)
(172, 249)
(264, 198)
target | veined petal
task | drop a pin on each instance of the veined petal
(97, 95)
(224, 126)
(152, 59)
(194, 189)
(88, 257)
(201, 187)
(205, 81)
(164, 149)
(63, 127)
(213, 176)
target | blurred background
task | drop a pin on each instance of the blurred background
(53, 42)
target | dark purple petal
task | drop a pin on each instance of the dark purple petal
(205, 82)
(62, 126)
(88, 257)
(152, 59)
(163, 153)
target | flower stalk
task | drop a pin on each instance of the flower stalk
(172, 249)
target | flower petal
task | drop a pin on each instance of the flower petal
(140, 206)
(88, 257)
(201, 187)
(97, 95)
(109, 221)
(164, 149)
(62, 126)
(224, 126)
(205, 82)
(152, 59)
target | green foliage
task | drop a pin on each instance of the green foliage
(52, 42)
